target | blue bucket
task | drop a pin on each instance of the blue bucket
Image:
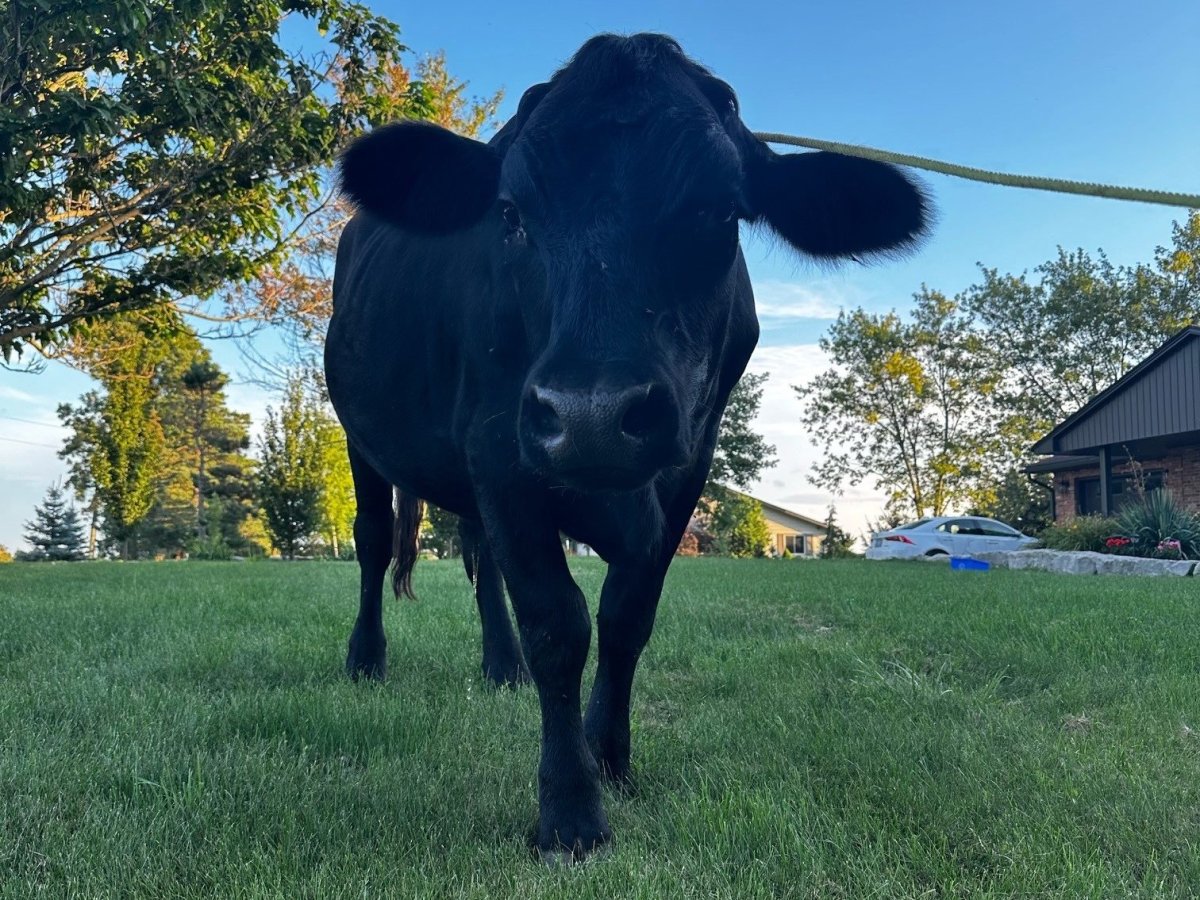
(965, 563)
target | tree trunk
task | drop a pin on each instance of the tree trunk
(92, 530)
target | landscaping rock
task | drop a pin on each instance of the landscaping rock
(1137, 565)
(1087, 563)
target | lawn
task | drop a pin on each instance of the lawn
(800, 729)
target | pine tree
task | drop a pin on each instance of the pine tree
(55, 533)
(837, 544)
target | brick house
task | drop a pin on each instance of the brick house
(1141, 434)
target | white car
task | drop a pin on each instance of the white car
(946, 536)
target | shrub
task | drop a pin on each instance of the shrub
(1082, 533)
(1160, 525)
(689, 545)
(211, 547)
(5, 556)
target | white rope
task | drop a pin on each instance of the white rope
(1032, 182)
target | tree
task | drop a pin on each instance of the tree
(1178, 267)
(117, 448)
(290, 472)
(199, 464)
(5, 555)
(739, 526)
(902, 404)
(741, 454)
(202, 380)
(153, 152)
(337, 495)
(295, 291)
(209, 473)
(55, 533)
(439, 532)
(837, 544)
(739, 459)
(1065, 336)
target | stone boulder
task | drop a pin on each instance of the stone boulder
(1085, 562)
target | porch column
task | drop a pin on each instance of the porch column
(1106, 494)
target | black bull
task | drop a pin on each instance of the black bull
(540, 334)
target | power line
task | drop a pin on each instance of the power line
(31, 421)
(29, 443)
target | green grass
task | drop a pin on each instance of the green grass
(840, 729)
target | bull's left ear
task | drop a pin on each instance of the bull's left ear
(421, 177)
(828, 205)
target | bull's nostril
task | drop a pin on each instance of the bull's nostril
(646, 414)
(543, 420)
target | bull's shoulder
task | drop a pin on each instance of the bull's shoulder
(368, 252)
(360, 235)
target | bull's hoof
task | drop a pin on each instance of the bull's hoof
(510, 675)
(573, 842)
(366, 659)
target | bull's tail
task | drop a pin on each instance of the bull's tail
(406, 542)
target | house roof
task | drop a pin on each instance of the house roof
(779, 509)
(1157, 398)
(1061, 464)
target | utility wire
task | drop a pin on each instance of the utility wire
(31, 421)
(29, 443)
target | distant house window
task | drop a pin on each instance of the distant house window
(1125, 489)
(797, 544)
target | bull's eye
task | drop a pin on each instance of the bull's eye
(718, 215)
(512, 218)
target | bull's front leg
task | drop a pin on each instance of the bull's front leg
(628, 603)
(556, 631)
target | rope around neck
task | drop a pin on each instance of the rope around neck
(1033, 182)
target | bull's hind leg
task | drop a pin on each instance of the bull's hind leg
(367, 656)
(503, 662)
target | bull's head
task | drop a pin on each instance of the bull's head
(612, 200)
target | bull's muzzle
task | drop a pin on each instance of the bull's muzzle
(616, 437)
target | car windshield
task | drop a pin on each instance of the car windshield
(908, 526)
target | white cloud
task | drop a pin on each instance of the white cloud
(822, 299)
(12, 393)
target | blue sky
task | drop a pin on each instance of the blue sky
(1095, 92)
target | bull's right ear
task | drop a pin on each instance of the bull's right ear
(421, 177)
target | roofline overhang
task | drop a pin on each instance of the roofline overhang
(1048, 445)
